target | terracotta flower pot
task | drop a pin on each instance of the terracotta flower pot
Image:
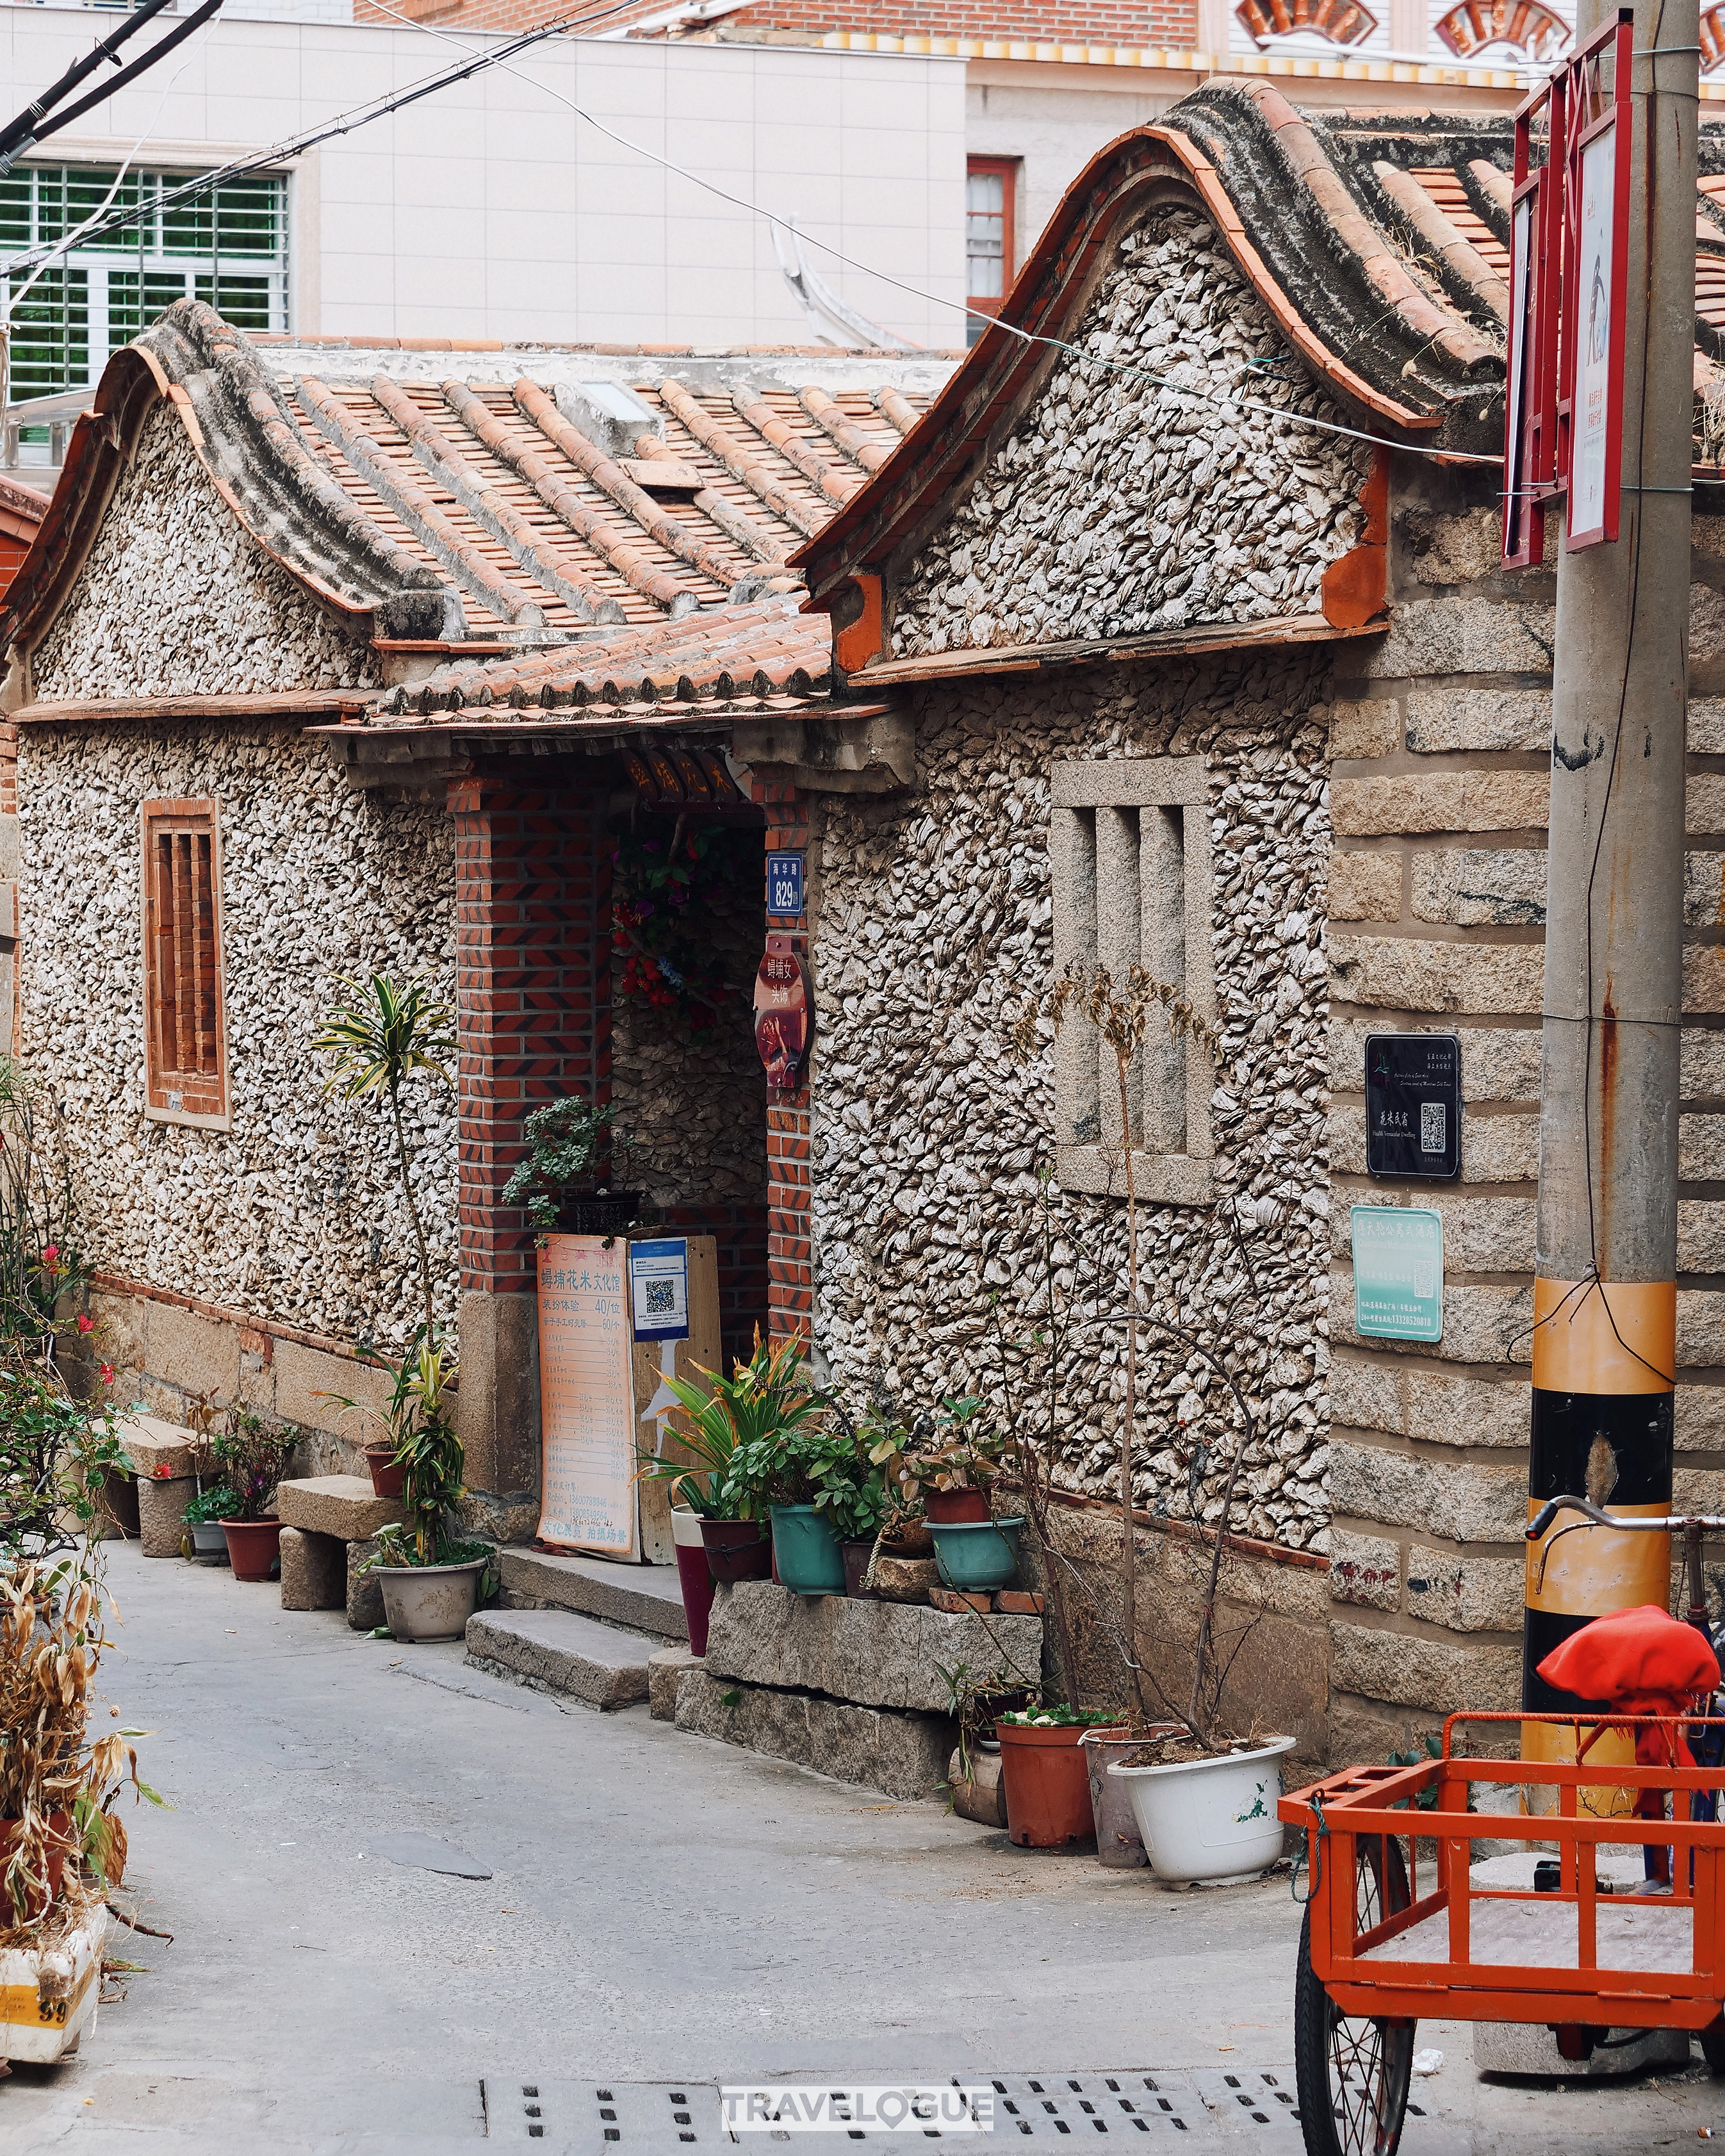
(952, 1508)
(694, 1574)
(387, 1478)
(737, 1549)
(1047, 1784)
(252, 1546)
(59, 1830)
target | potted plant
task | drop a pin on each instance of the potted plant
(430, 1578)
(205, 1536)
(1046, 1774)
(823, 1488)
(250, 1457)
(946, 1464)
(857, 1511)
(385, 1470)
(733, 1427)
(568, 1142)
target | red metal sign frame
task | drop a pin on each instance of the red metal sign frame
(1578, 112)
(1592, 114)
(1530, 460)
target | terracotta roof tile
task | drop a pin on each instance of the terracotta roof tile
(765, 648)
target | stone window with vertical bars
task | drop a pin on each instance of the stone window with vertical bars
(186, 1048)
(1131, 844)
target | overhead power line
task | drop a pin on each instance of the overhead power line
(19, 133)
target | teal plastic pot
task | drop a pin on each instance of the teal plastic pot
(806, 1552)
(976, 1556)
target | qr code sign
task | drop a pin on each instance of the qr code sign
(1434, 1121)
(661, 1298)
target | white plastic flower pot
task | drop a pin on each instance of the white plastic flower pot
(1210, 1820)
(48, 1996)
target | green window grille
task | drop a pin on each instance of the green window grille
(228, 246)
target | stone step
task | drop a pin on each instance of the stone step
(558, 1652)
(645, 1598)
(344, 1506)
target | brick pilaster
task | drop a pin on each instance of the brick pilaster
(532, 964)
(790, 1246)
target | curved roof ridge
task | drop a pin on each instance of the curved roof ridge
(255, 453)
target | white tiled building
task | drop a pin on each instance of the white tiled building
(490, 209)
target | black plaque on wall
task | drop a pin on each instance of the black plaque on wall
(1414, 1104)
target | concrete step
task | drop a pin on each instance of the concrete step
(558, 1652)
(646, 1598)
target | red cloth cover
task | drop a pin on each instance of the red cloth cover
(1641, 1659)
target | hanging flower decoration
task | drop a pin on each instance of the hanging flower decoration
(665, 887)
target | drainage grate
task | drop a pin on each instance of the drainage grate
(1188, 2110)
(604, 2119)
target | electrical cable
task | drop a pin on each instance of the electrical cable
(140, 65)
(19, 131)
(343, 123)
(10, 300)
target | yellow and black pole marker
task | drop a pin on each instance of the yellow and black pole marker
(1602, 1429)
(1605, 1337)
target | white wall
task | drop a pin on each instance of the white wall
(491, 210)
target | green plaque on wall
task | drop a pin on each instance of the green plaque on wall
(1397, 1272)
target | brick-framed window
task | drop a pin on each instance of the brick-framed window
(185, 1017)
(990, 234)
(1131, 846)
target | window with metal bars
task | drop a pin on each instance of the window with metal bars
(186, 1078)
(1131, 846)
(228, 246)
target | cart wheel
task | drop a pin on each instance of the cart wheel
(1352, 2075)
(1713, 2045)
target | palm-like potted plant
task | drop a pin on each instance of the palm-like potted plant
(383, 1035)
(733, 1427)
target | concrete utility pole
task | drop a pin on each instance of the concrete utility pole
(1605, 1344)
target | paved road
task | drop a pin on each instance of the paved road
(661, 1910)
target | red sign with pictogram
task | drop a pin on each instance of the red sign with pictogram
(784, 1014)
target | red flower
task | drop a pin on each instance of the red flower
(164, 1473)
(85, 1324)
(106, 1371)
(51, 1258)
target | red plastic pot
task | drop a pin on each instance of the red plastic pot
(60, 1832)
(737, 1549)
(252, 1546)
(388, 1478)
(694, 1575)
(1047, 1778)
(954, 1508)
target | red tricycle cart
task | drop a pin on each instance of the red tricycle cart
(1397, 1929)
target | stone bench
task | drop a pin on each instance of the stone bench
(328, 1522)
(163, 1455)
(853, 1689)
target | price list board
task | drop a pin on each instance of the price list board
(589, 1499)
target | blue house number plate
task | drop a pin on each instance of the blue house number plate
(784, 883)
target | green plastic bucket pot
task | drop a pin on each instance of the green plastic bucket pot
(808, 1557)
(976, 1556)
